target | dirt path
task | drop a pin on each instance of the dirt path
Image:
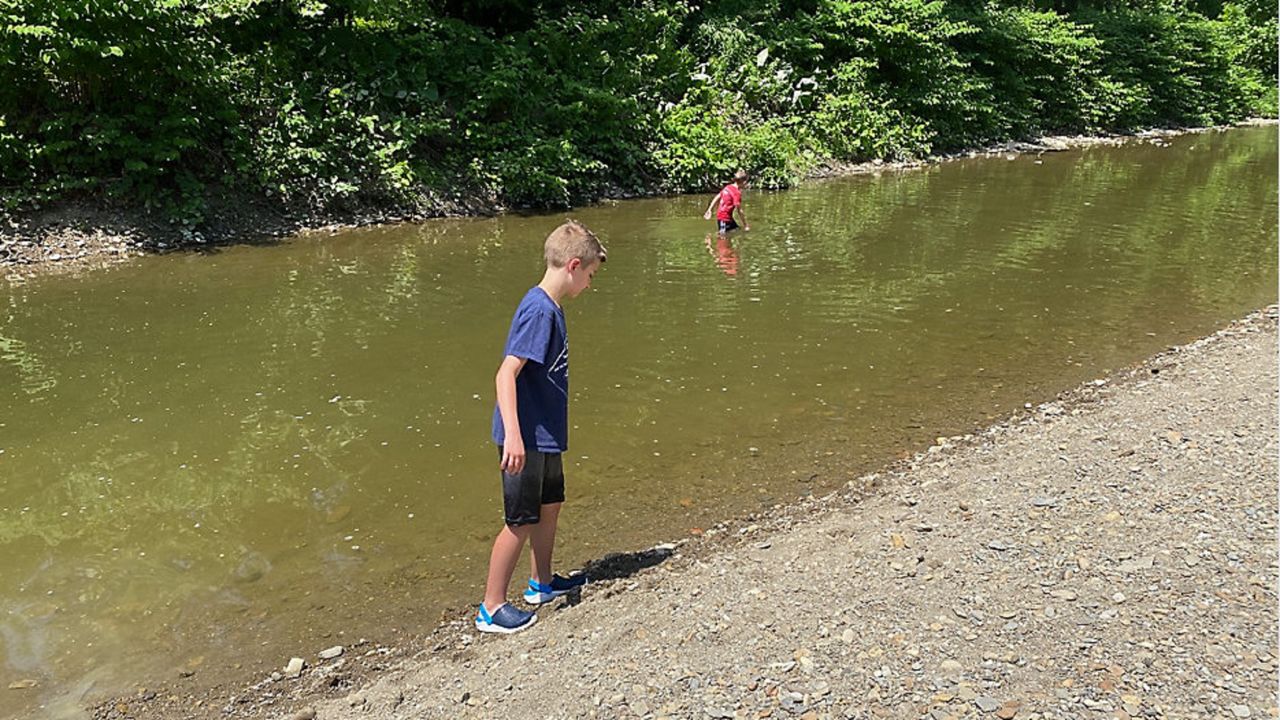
(1109, 555)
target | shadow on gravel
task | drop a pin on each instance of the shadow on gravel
(621, 565)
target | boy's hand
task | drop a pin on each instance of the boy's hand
(513, 455)
(706, 215)
(746, 228)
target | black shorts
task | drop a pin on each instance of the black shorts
(541, 482)
(725, 226)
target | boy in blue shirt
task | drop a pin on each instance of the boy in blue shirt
(531, 428)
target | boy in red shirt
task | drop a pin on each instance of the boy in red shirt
(730, 198)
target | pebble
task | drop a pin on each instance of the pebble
(294, 668)
(331, 653)
(986, 704)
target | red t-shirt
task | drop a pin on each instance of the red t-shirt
(730, 198)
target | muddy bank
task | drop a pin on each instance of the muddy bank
(1110, 552)
(77, 237)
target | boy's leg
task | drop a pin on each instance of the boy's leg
(502, 563)
(542, 542)
(521, 495)
(542, 539)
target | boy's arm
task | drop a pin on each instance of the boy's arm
(742, 214)
(513, 442)
(707, 215)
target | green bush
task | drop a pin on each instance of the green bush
(329, 106)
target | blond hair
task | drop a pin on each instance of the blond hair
(572, 240)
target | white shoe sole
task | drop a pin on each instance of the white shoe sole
(483, 626)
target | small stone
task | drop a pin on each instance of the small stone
(986, 704)
(1241, 711)
(848, 636)
(294, 668)
(1009, 710)
(331, 653)
(304, 714)
(22, 684)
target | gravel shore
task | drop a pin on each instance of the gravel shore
(1111, 554)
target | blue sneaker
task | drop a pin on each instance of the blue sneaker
(539, 593)
(506, 619)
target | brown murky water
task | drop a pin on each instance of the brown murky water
(232, 459)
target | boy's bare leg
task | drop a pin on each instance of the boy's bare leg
(542, 542)
(502, 563)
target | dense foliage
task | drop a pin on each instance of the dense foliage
(324, 106)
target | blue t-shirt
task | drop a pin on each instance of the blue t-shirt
(542, 387)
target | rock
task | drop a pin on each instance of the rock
(986, 704)
(331, 653)
(304, 714)
(22, 684)
(1241, 711)
(1132, 565)
(1009, 710)
(792, 702)
(294, 668)
(950, 668)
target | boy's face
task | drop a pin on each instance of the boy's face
(580, 275)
